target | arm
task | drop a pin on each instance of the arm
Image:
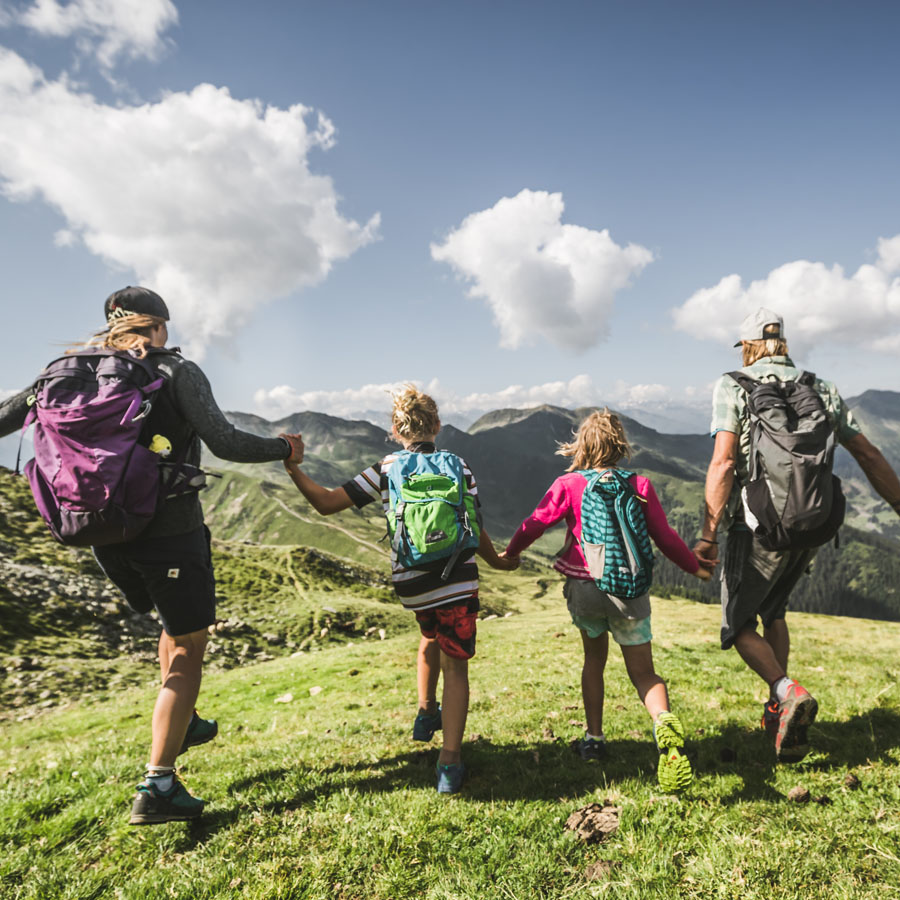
(194, 399)
(323, 500)
(553, 506)
(13, 411)
(487, 552)
(666, 538)
(876, 468)
(719, 481)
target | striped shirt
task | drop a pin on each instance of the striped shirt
(418, 588)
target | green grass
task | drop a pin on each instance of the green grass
(326, 796)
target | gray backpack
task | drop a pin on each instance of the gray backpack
(792, 499)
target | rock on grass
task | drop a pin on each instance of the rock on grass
(594, 822)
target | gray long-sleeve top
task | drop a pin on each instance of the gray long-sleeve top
(192, 411)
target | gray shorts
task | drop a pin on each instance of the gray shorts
(596, 612)
(756, 582)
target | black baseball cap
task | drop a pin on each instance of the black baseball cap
(135, 301)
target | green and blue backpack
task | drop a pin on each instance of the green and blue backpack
(432, 515)
(614, 536)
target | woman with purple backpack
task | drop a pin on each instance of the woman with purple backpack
(154, 547)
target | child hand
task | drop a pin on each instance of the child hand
(512, 562)
(703, 574)
(297, 448)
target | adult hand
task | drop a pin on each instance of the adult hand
(707, 553)
(296, 442)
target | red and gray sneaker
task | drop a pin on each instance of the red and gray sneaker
(795, 714)
(771, 718)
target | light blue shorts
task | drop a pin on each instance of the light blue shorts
(595, 613)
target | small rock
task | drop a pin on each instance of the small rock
(852, 782)
(315, 690)
(273, 638)
(594, 822)
(382, 634)
(559, 634)
(507, 615)
(353, 672)
(488, 618)
(798, 794)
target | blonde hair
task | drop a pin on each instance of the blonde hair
(753, 351)
(414, 415)
(600, 442)
(130, 332)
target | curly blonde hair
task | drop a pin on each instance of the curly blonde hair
(415, 414)
(129, 332)
(600, 442)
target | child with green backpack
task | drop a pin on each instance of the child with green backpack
(430, 499)
(611, 515)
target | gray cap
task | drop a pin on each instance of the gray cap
(135, 301)
(753, 327)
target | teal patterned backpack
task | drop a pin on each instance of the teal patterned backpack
(614, 536)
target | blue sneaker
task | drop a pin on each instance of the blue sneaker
(450, 777)
(425, 726)
(152, 806)
(199, 732)
(591, 750)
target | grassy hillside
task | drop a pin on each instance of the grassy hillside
(315, 789)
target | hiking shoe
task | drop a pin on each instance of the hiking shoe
(591, 750)
(152, 806)
(796, 713)
(199, 732)
(450, 777)
(771, 717)
(674, 770)
(425, 726)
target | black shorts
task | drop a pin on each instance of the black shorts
(756, 582)
(173, 574)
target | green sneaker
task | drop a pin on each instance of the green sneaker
(199, 732)
(152, 806)
(674, 772)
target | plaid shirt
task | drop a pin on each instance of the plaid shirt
(730, 405)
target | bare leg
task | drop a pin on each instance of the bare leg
(178, 694)
(650, 687)
(428, 668)
(455, 706)
(596, 651)
(759, 655)
(779, 640)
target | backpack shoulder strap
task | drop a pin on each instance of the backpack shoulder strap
(806, 378)
(743, 380)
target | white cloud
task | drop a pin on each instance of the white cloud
(208, 199)
(372, 401)
(107, 29)
(818, 304)
(538, 276)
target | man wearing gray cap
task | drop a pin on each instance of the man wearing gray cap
(774, 428)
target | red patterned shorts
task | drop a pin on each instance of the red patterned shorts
(453, 625)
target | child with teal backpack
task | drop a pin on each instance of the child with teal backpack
(430, 499)
(611, 515)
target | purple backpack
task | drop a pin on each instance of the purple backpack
(92, 480)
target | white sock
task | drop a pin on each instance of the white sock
(161, 777)
(780, 688)
(594, 737)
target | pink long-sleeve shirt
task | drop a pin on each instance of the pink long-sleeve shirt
(563, 500)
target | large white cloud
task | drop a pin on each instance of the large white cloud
(108, 29)
(372, 401)
(206, 198)
(538, 276)
(818, 303)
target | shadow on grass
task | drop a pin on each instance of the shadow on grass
(865, 738)
(553, 771)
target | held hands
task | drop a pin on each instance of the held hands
(706, 550)
(296, 457)
(508, 562)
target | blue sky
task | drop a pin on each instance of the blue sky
(513, 203)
